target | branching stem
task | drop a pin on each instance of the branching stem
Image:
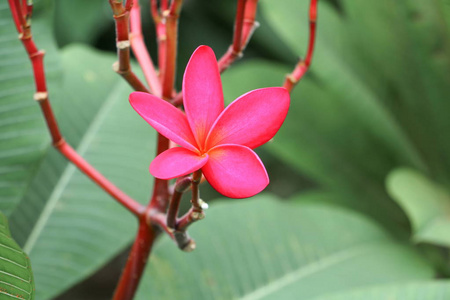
(123, 67)
(303, 65)
(141, 52)
(41, 96)
(181, 186)
(162, 209)
(244, 26)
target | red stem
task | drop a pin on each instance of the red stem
(141, 52)
(137, 260)
(249, 21)
(239, 23)
(134, 207)
(167, 39)
(17, 17)
(244, 26)
(160, 195)
(123, 67)
(196, 177)
(175, 7)
(190, 217)
(180, 237)
(41, 96)
(161, 38)
(169, 62)
(155, 12)
(164, 5)
(303, 65)
(181, 186)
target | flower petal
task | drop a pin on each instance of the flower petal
(165, 118)
(235, 171)
(252, 119)
(202, 92)
(176, 162)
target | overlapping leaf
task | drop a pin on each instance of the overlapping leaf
(16, 277)
(266, 249)
(375, 98)
(426, 203)
(316, 136)
(67, 224)
(424, 290)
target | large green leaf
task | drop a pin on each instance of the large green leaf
(23, 134)
(324, 139)
(338, 76)
(380, 75)
(427, 290)
(405, 44)
(67, 224)
(266, 249)
(426, 203)
(16, 277)
(81, 21)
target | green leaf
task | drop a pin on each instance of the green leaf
(324, 139)
(81, 21)
(68, 225)
(336, 75)
(426, 203)
(265, 249)
(16, 277)
(23, 134)
(406, 46)
(427, 290)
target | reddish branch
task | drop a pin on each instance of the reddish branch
(137, 260)
(243, 28)
(166, 21)
(303, 65)
(169, 51)
(181, 186)
(135, 207)
(21, 17)
(122, 66)
(141, 52)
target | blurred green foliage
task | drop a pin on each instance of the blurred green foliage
(360, 171)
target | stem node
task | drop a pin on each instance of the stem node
(40, 96)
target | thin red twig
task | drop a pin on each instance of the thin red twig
(193, 215)
(196, 212)
(303, 65)
(196, 177)
(164, 5)
(135, 207)
(41, 96)
(168, 69)
(175, 7)
(180, 237)
(141, 52)
(181, 186)
(123, 67)
(159, 219)
(244, 26)
(167, 31)
(160, 197)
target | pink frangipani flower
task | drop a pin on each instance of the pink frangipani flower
(219, 141)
